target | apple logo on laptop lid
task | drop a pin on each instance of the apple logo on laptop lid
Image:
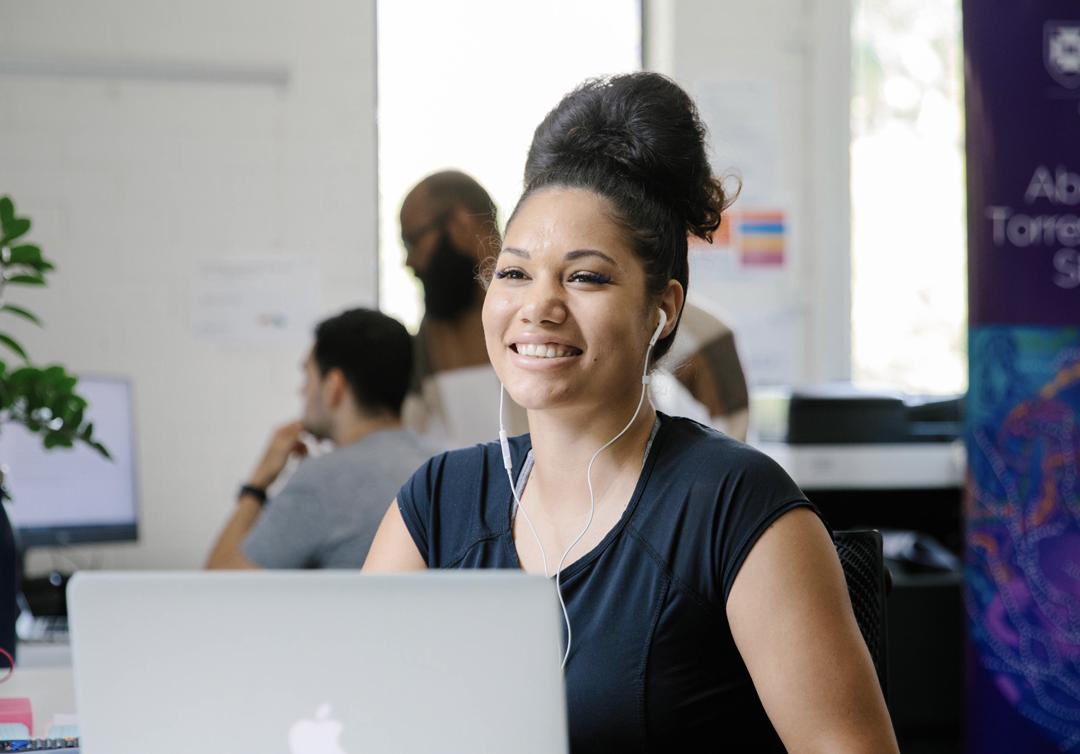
(318, 736)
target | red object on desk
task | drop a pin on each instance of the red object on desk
(17, 710)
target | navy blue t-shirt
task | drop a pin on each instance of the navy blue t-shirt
(653, 665)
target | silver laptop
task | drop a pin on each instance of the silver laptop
(317, 663)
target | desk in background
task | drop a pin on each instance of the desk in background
(917, 486)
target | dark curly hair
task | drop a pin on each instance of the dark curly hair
(636, 140)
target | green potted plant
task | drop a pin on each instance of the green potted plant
(41, 398)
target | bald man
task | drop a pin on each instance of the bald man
(449, 227)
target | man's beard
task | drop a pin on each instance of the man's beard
(450, 285)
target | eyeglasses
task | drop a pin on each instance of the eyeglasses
(409, 241)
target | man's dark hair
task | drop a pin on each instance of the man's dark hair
(373, 351)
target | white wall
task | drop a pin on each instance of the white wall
(800, 48)
(146, 138)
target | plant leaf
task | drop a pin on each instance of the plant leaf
(27, 279)
(11, 227)
(27, 254)
(23, 376)
(12, 344)
(20, 312)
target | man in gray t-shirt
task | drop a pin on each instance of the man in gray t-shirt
(326, 515)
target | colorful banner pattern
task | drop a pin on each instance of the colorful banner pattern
(1023, 532)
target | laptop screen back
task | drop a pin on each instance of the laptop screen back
(317, 663)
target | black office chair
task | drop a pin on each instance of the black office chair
(868, 584)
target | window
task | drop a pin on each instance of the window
(463, 85)
(909, 295)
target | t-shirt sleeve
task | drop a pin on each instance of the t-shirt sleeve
(415, 499)
(290, 532)
(444, 502)
(760, 494)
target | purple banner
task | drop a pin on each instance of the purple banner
(1022, 511)
(1023, 160)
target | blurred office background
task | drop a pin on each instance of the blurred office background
(171, 156)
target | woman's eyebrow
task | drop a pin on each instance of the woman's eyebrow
(579, 253)
(570, 255)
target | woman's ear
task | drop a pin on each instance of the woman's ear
(671, 301)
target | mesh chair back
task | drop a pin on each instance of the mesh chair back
(867, 583)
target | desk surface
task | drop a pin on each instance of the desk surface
(867, 467)
(44, 654)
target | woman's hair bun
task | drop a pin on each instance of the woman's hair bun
(638, 128)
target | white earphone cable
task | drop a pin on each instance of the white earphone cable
(505, 444)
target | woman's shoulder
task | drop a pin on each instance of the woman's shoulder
(463, 475)
(700, 457)
(691, 442)
(457, 498)
(718, 495)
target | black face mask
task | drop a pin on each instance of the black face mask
(450, 285)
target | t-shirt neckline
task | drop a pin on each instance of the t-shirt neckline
(582, 562)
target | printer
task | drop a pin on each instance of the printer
(838, 436)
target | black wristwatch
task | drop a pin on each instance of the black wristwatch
(256, 492)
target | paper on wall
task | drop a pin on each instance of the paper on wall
(255, 300)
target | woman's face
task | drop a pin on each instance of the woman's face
(567, 318)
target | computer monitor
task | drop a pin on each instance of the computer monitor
(71, 496)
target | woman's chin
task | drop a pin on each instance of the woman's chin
(536, 397)
(531, 402)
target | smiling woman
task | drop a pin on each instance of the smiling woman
(555, 312)
(703, 598)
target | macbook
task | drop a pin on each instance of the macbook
(317, 663)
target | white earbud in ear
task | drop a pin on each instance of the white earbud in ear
(659, 329)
